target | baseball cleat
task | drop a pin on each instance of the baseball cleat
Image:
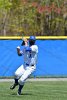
(13, 86)
(19, 93)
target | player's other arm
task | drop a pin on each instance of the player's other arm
(34, 48)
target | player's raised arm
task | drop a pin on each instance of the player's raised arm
(24, 43)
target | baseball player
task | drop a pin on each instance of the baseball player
(29, 52)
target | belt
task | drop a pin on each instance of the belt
(29, 64)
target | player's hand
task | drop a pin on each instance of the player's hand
(25, 41)
(18, 49)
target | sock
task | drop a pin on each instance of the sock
(16, 81)
(20, 87)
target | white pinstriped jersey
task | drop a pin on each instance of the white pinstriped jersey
(30, 57)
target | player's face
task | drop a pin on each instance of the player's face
(31, 42)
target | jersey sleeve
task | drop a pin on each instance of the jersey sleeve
(34, 48)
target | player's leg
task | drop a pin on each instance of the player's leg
(14, 85)
(23, 78)
(17, 75)
(19, 89)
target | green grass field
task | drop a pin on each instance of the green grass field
(48, 90)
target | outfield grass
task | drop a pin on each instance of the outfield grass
(52, 90)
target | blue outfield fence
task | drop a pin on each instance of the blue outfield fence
(52, 57)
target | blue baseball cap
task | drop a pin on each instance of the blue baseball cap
(32, 38)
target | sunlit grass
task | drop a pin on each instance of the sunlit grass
(35, 91)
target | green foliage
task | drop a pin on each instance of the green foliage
(44, 17)
(5, 4)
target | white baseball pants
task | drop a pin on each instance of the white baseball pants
(22, 74)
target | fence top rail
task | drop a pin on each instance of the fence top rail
(37, 37)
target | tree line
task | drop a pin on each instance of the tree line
(33, 17)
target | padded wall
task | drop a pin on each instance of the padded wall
(52, 57)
